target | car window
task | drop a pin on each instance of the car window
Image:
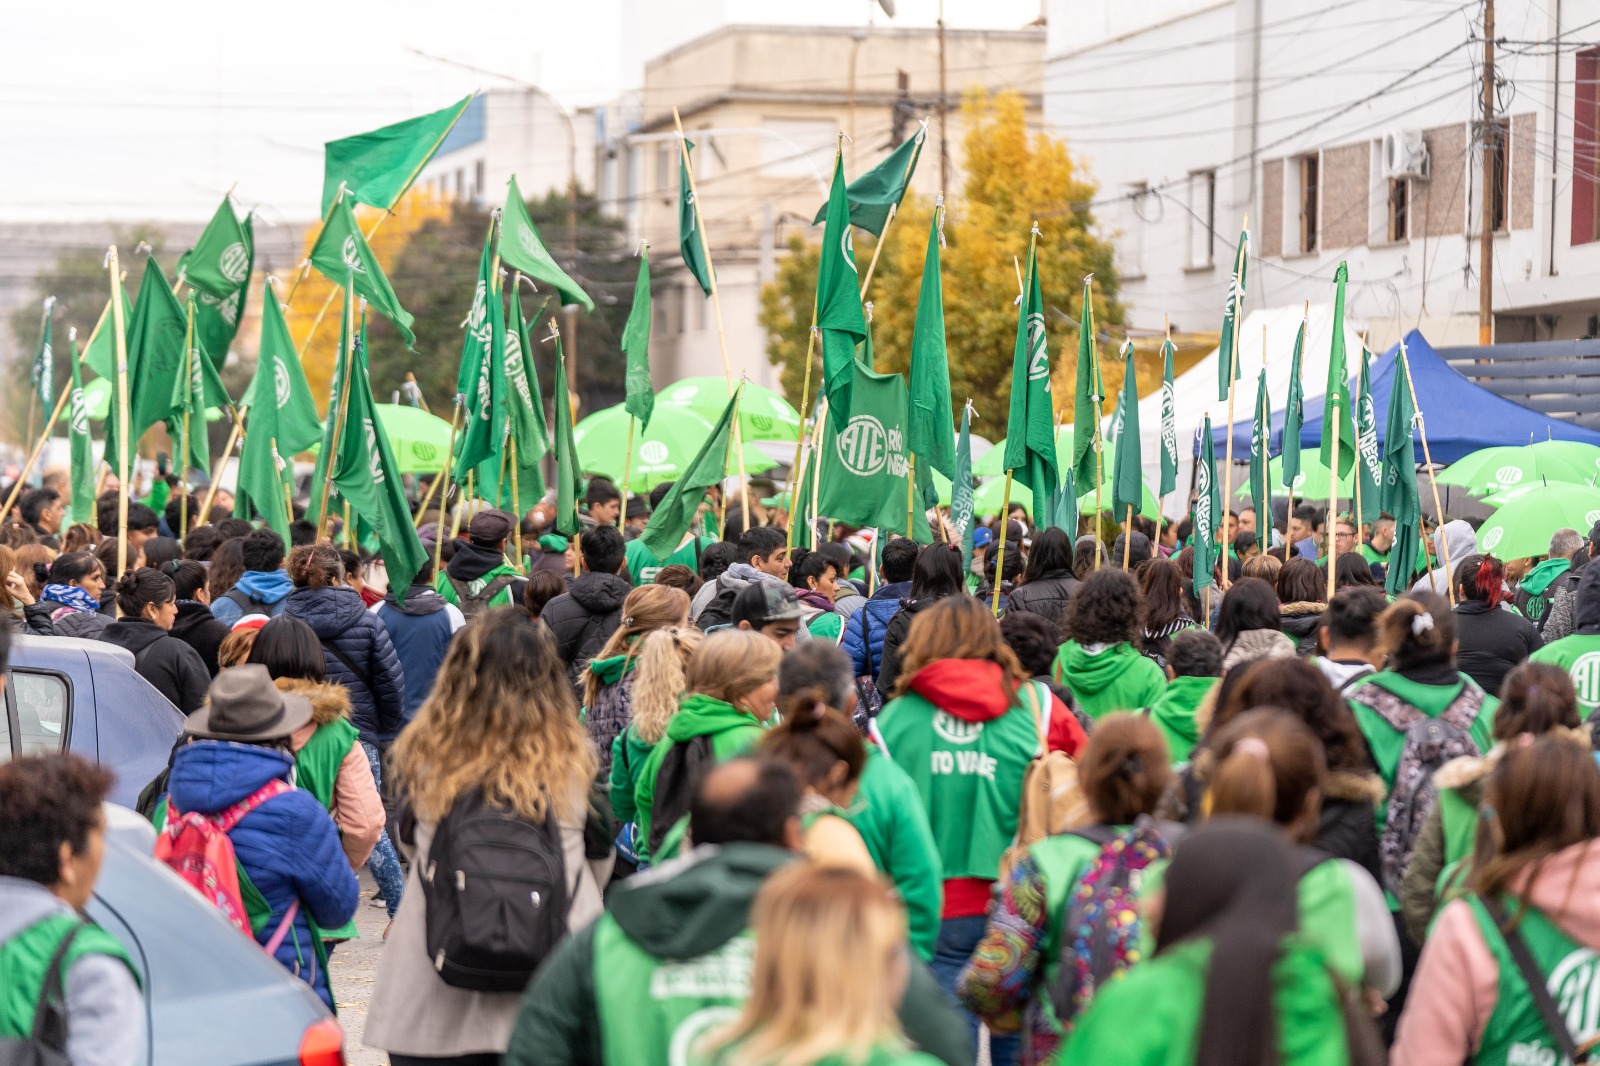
(41, 702)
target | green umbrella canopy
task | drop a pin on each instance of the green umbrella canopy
(660, 453)
(1311, 484)
(1148, 506)
(992, 462)
(1521, 528)
(1490, 470)
(421, 441)
(763, 414)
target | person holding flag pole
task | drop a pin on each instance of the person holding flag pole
(1229, 362)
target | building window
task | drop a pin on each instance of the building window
(1310, 190)
(1498, 145)
(1202, 217)
(1586, 149)
(1399, 209)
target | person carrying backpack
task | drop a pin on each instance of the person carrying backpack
(229, 796)
(478, 576)
(263, 586)
(506, 856)
(1508, 972)
(1068, 917)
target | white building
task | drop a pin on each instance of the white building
(522, 131)
(1345, 132)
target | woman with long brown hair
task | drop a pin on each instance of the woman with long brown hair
(609, 678)
(501, 721)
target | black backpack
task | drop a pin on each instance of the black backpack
(717, 613)
(495, 888)
(46, 1045)
(679, 775)
(472, 604)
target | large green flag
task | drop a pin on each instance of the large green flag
(82, 445)
(280, 383)
(365, 473)
(1207, 506)
(1090, 391)
(1232, 315)
(336, 390)
(1398, 495)
(516, 489)
(1336, 399)
(100, 353)
(670, 522)
(43, 372)
(839, 313)
(528, 427)
(220, 261)
(641, 396)
(880, 189)
(1030, 427)
(1169, 428)
(961, 502)
(569, 476)
(263, 481)
(1061, 510)
(931, 440)
(1260, 449)
(691, 244)
(195, 387)
(342, 255)
(377, 167)
(1369, 470)
(1294, 413)
(1127, 488)
(866, 466)
(156, 330)
(216, 320)
(483, 426)
(522, 249)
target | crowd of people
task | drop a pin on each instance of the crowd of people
(759, 804)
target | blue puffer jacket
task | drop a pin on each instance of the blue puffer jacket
(378, 685)
(288, 846)
(863, 635)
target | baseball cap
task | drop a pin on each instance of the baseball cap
(490, 527)
(1139, 553)
(982, 536)
(762, 602)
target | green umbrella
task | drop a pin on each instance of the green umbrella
(1312, 484)
(763, 414)
(660, 453)
(1521, 529)
(1147, 506)
(992, 463)
(421, 441)
(1489, 470)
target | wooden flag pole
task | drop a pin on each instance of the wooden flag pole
(805, 401)
(1333, 491)
(348, 358)
(1000, 551)
(227, 453)
(124, 415)
(894, 209)
(816, 477)
(1099, 478)
(1427, 457)
(1127, 538)
(33, 456)
(516, 501)
(627, 474)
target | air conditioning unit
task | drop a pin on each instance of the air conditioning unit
(1405, 155)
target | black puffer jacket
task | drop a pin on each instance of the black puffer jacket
(196, 627)
(583, 618)
(1046, 596)
(377, 682)
(166, 662)
(1299, 622)
(1493, 640)
(34, 619)
(894, 635)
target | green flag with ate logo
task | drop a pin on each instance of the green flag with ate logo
(1169, 428)
(1294, 413)
(342, 255)
(865, 466)
(43, 372)
(282, 420)
(1336, 402)
(1127, 486)
(1030, 428)
(568, 475)
(527, 436)
(641, 396)
(156, 334)
(219, 263)
(483, 415)
(840, 318)
(1227, 361)
(216, 319)
(378, 166)
(522, 249)
(1089, 392)
(1369, 466)
(961, 501)
(1207, 506)
(670, 522)
(82, 446)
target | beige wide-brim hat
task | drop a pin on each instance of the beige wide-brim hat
(245, 705)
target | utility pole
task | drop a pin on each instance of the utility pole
(944, 108)
(1488, 142)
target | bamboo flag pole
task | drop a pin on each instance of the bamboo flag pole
(716, 310)
(1000, 551)
(1127, 538)
(348, 358)
(124, 415)
(227, 453)
(1427, 457)
(516, 501)
(1233, 371)
(816, 477)
(627, 474)
(33, 456)
(796, 471)
(894, 209)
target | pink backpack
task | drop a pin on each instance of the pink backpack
(197, 848)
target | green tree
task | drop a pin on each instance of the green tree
(1013, 178)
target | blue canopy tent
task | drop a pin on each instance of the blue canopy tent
(1460, 416)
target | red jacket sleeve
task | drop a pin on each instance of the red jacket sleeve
(1066, 735)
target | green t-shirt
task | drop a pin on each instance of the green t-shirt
(1515, 1032)
(889, 815)
(643, 564)
(1579, 656)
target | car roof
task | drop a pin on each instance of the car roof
(129, 827)
(43, 651)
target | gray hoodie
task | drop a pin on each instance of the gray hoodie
(1461, 542)
(105, 1009)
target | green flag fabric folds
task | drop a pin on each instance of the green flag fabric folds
(1227, 361)
(1398, 494)
(482, 363)
(282, 420)
(216, 319)
(671, 521)
(568, 475)
(156, 335)
(195, 387)
(1294, 414)
(219, 263)
(881, 189)
(1207, 506)
(691, 244)
(1031, 431)
(1336, 406)
(1169, 428)
(100, 353)
(376, 167)
(865, 466)
(343, 256)
(522, 249)
(1088, 394)
(1260, 439)
(961, 503)
(931, 440)
(1369, 466)
(337, 388)
(839, 314)
(81, 445)
(1127, 487)
(641, 396)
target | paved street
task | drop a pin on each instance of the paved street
(353, 966)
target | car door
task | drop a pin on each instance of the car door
(38, 705)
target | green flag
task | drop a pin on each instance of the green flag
(518, 387)
(1114, 431)
(568, 474)
(1260, 444)
(280, 383)
(1061, 510)
(1030, 427)
(1369, 470)
(874, 193)
(1398, 494)
(670, 522)
(263, 483)
(216, 320)
(867, 465)
(336, 390)
(483, 426)
(961, 503)
(220, 261)
(100, 354)
(1127, 488)
(839, 314)
(641, 396)
(43, 372)
(82, 446)
(156, 330)
(691, 243)
(194, 387)
(364, 472)
(1169, 428)
(341, 254)
(1090, 391)
(377, 167)
(1207, 506)
(1232, 314)
(931, 440)
(1294, 414)
(522, 249)
(1336, 401)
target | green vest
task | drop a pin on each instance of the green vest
(644, 564)
(1459, 819)
(656, 1010)
(1515, 1034)
(969, 775)
(1579, 656)
(1327, 906)
(443, 587)
(316, 769)
(25, 959)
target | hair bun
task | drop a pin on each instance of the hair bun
(41, 573)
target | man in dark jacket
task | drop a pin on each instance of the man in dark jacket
(583, 618)
(420, 630)
(670, 951)
(478, 575)
(1562, 618)
(863, 635)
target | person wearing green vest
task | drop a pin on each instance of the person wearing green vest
(671, 960)
(1537, 699)
(1536, 591)
(1014, 969)
(1375, 549)
(1100, 662)
(478, 575)
(731, 684)
(1195, 661)
(1469, 1001)
(1578, 653)
(644, 564)
(1230, 982)
(53, 826)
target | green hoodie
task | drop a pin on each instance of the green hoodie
(628, 757)
(1114, 678)
(676, 953)
(732, 733)
(611, 669)
(889, 815)
(1535, 581)
(1174, 712)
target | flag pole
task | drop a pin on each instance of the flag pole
(123, 415)
(1233, 370)
(816, 475)
(1427, 457)
(1000, 551)
(444, 473)
(516, 501)
(1127, 538)
(227, 452)
(627, 473)
(911, 488)
(333, 444)
(805, 401)
(33, 456)
(288, 497)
